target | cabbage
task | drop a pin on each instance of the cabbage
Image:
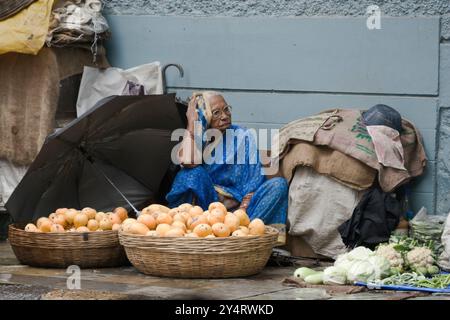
(334, 275)
(372, 269)
(360, 253)
(361, 270)
(382, 266)
(343, 261)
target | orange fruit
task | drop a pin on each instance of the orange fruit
(232, 221)
(203, 229)
(115, 219)
(146, 211)
(179, 224)
(220, 230)
(31, 228)
(256, 227)
(151, 233)
(195, 221)
(215, 216)
(179, 217)
(70, 215)
(56, 228)
(61, 211)
(105, 224)
(121, 212)
(41, 220)
(174, 232)
(93, 225)
(239, 233)
(244, 229)
(191, 235)
(217, 205)
(82, 229)
(185, 207)
(89, 212)
(162, 228)
(148, 220)
(164, 218)
(174, 211)
(80, 220)
(243, 217)
(61, 220)
(99, 216)
(156, 207)
(129, 220)
(115, 227)
(139, 229)
(195, 211)
(46, 226)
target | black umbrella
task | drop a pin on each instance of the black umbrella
(117, 154)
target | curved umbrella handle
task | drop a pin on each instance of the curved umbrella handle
(163, 71)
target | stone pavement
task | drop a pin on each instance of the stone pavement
(23, 282)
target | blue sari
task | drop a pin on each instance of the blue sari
(270, 199)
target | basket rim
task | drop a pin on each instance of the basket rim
(269, 231)
(14, 226)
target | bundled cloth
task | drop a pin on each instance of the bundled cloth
(318, 205)
(444, 258)
(346, 132)
(10, 176)
(29, 97)
(77, 23)
(373, 220)
(25, 31)
(336, 165)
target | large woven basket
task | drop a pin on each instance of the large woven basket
(199, 257)
(60, 250)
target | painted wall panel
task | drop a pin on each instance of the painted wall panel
(321, 54)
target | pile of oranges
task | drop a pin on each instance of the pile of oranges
(85, 220)
(191, 221)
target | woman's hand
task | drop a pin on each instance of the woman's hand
(191, 114)
(246, 201)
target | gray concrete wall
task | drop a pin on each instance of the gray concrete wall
(277, 8)
(431, 190)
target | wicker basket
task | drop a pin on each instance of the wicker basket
(60, 250)
(199, 257)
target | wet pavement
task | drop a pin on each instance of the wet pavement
(24, 282)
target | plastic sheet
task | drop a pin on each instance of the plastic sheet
(26, 31)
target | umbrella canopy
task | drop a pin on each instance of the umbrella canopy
(121, 148)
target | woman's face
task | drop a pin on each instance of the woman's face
(220, 110)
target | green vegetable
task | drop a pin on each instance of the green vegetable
(404, 244)
(432, 270)
(439, 281)
(316, 278)
(303, 272)
(335, 275)
(394, 270)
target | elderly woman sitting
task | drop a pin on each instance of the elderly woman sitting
(236, 183)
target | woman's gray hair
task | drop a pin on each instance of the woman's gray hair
(209, 94)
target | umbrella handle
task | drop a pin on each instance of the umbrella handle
(163, 72)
